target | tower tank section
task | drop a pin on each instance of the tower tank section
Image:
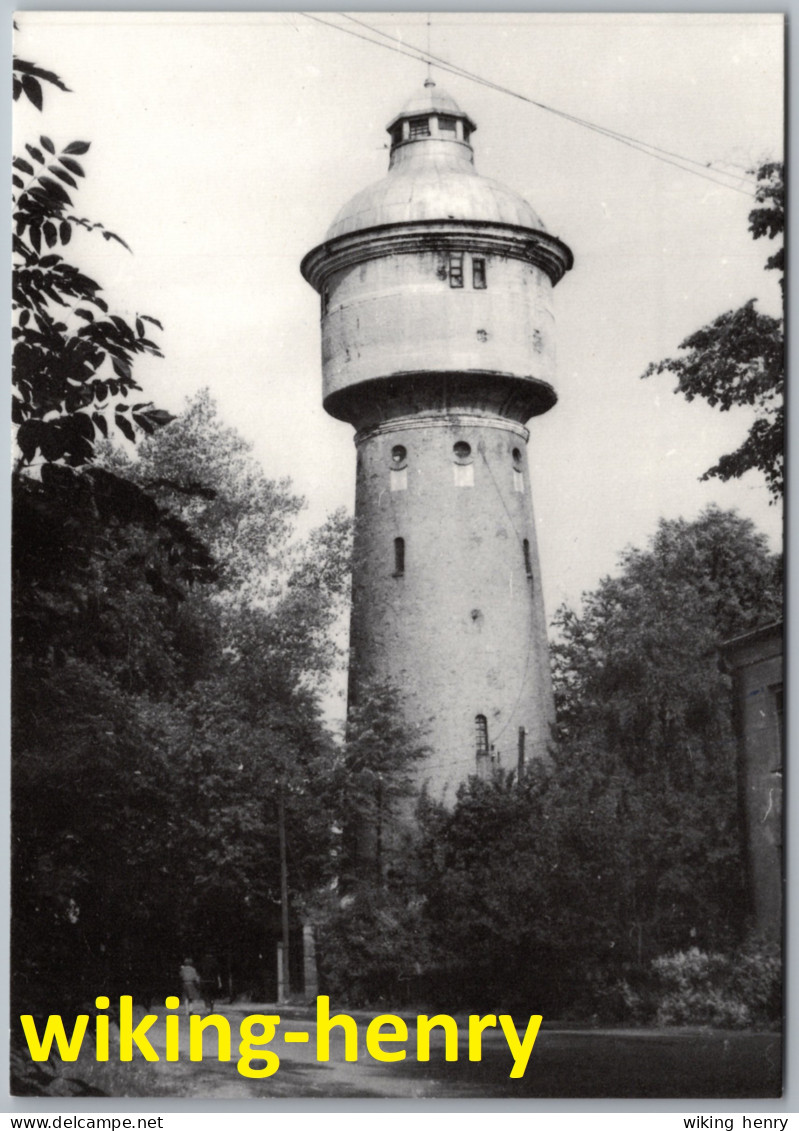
(438, 347)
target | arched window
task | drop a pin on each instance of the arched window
(399, 557)
(463, 464)
(528, 565)
(481, 736)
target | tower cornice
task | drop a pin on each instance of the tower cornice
(441, 419)
(540, 248)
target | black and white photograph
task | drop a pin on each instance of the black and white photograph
(397, 576)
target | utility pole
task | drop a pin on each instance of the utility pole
(284, 891)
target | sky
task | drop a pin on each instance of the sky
(222, 146)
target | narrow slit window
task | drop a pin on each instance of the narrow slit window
(521, 752)
(325, 299)
(399, 557)
(419, 127)
(456, 269)
(528, 565)
(479, 274)
(518, 481)
(481, 736)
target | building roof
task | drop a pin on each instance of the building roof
(431, 99)
(433, 178)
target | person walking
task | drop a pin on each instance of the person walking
(189, 985)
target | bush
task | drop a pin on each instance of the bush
(371, 947)
(728, 991)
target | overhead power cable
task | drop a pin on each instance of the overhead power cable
(463, 72)
(666, 156)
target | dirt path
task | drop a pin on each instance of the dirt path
(299, 1074)
(584, 1063)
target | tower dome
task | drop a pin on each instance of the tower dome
(432, 175)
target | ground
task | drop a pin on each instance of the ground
(566, 1063)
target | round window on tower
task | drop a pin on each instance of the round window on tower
(399, 456)
(462, 451)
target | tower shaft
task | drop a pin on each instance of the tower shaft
(447, 602)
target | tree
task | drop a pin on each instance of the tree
(644, 711)
(182, 697)
(72, 358)
(639, 662)
(377, 784)
(247, 729)
(516, 907)
(739, 358)
(203, 473)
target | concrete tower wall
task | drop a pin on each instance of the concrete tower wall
(399, 314)
(459, 624)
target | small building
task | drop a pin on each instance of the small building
(755, 662)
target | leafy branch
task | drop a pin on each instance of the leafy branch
(72, 357)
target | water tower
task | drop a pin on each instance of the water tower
(438, 346)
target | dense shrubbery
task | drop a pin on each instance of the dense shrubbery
(732, 991)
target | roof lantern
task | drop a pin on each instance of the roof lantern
(430, 115)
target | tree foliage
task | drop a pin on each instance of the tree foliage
(738, 360)
(643, 704)
(182, 697)
(171, 634)
(376, 782)
(72, 357)
(637, 666)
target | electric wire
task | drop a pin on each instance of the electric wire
(646, 148)
(616, 134)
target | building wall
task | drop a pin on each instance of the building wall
(756, 663)
(460, 629)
